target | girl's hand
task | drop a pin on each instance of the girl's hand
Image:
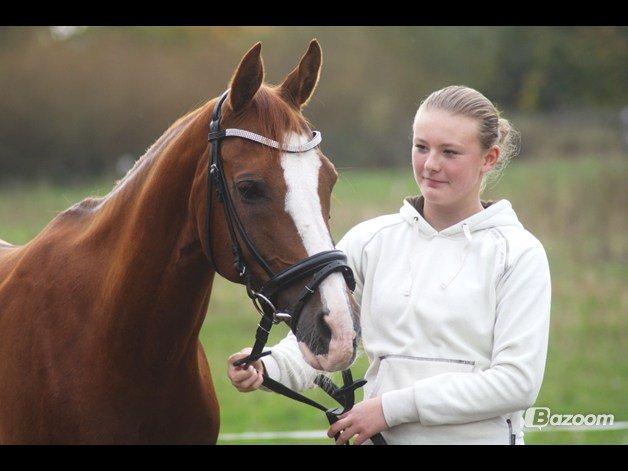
(363, 421)
(245, 378)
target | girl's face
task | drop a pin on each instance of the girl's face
(447, 158)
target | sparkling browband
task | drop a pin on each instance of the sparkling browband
(251, 136)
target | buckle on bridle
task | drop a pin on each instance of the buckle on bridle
(215, 135)
(259, 298)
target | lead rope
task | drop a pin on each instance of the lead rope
(345, 396)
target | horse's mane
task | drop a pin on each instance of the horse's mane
(276, 119)
(175, 130)
(154, 150)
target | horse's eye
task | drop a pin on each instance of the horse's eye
(251, 191)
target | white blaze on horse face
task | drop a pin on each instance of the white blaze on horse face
(304, 206)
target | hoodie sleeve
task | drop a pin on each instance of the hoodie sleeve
(513, 380)
(286, 365)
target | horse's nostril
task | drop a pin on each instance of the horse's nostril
(321, 323)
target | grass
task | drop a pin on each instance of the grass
(576, 207)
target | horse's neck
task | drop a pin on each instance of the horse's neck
(157, 279)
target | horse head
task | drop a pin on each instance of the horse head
(282, 201)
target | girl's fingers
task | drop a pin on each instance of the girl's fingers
(245, 378)
(238, 376)
(239, 355)
(337, 427)
(249, 382)
(346, 435)
(259, 381)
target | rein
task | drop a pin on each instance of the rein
(264, 295)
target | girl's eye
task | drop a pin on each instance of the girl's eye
(251, 191)
(420, 147)
(450, 152)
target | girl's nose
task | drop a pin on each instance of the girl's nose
(432, 162)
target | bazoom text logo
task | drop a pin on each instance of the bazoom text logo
(542, 416)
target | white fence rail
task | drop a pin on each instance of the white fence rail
(322, 434)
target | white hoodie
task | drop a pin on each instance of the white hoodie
(454, 323)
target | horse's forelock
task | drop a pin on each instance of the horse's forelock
(276, 118)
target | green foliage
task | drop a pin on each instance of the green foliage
(575, 207)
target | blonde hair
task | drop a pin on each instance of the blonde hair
(493, 129)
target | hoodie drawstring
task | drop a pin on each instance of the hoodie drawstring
(467, 231)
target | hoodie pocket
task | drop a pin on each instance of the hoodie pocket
(401, 371)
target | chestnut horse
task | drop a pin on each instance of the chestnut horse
(100, 313)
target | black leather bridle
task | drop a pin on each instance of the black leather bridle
(264, 295)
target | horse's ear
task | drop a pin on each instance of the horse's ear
(247, 79)
(299, 85)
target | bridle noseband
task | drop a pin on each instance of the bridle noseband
(264, 295)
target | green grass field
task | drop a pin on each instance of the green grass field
(577, 208)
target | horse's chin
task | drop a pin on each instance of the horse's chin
(335, 360)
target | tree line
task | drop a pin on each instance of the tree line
(74, 105)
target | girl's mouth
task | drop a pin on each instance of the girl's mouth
(433, 183)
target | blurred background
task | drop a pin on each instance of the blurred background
(78, 105)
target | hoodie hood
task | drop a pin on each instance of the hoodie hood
(495, 214)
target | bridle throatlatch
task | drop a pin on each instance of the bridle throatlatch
(264, 295)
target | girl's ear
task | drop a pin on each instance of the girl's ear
(490, 159)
